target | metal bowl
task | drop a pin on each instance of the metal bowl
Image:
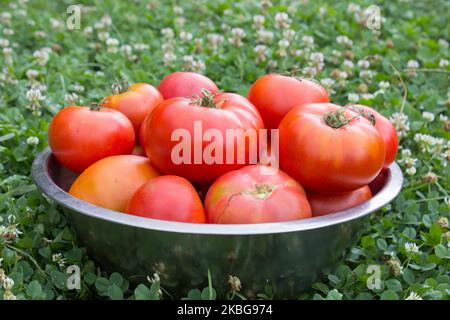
(287, 255)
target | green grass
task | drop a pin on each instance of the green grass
(36, 242)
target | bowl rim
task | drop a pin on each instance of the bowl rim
(41, 177)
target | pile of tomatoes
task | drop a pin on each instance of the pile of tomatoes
(127, 151)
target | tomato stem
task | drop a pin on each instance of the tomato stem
(261, 191)
(368, 115)
(94, 106)
(207, 100)
(336, 119)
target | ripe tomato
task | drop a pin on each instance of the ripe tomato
(378, 183)
(81, 136)
(330, 149)
(167, 198)
(256, 194)
(384, 127)
(275, 95)
(111, 182)
(136, 103)
(185, 84)
(188, 138)
(323, 204)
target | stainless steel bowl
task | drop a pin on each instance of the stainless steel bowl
(287, 255)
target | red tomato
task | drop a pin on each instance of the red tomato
(167, 198)
(275, 95)
(185, 84)
(330, 149)
(136, 103)
(323, 204)
(378, 183)
(256, 194)
(384, 127)
(80, 136)
(111, 182)
(189, 138)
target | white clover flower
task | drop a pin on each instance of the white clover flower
(237, 35)
(186, 36)
(282, 20)
(7, 53)
(199, 66)
(317, 61)
(327, 82)
(180, 21)
(258, 22)
(88, 30)
(178, 10)
(366, 74)
(367, 96)
(103, 36)
(59, 259)
(168, 58)
(141, 47)
(322, 11)
(406, 153)
(55, 24)
(411, 171)
(443, 63)
(261, 52)
(414, 296)
(383, 85)
(412, 64)
(264, 36)
(8, 284)
(344, 40)
(34, 95)
(342, 75)
(443, 43)
(353, 97)
(70, 98)
(8, 32)
(214, 41)
(5, 18)
(272, 64)
(106, 20)
(167, 33)
(310, 71)
(41, 56)
(40, 34)
(126, 49)
(78, 88)
(32, 74)
(364, 64)
(401, 123)
(353, 8)
(428, 116)
(283, 43)
(348, 64)
(4, 43)
(443, 118)
(289, 34)
(411, 247)
(9, 232)
(8, 295)
(32, 141)
(336, 53)
(308, 41)
(430, 144)
(113, 45)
